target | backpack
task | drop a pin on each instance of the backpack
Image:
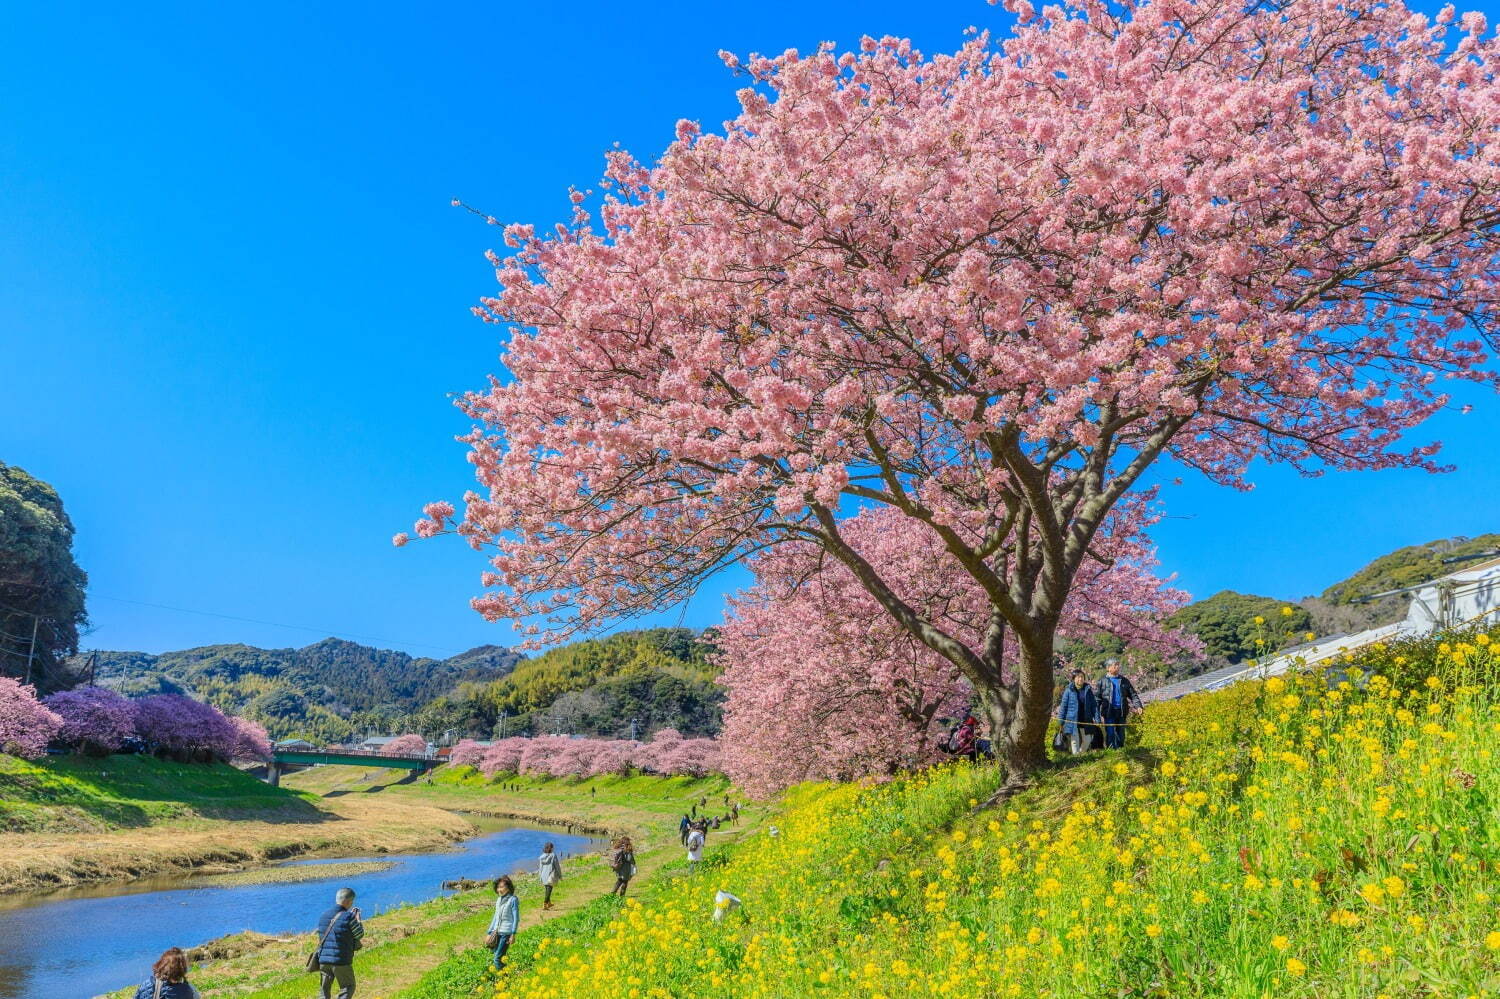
(961, 738)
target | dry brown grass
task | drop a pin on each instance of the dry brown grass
(353, 825)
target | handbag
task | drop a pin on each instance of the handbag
(313, 964)
(491, 941)
(1059, 742)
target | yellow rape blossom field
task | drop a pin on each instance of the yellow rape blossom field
(1314, 835)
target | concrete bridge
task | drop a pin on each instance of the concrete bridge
(284, 760)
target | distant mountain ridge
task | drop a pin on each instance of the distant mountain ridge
(330, 690)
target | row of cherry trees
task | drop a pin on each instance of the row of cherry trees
(99, 721)
(667, 753)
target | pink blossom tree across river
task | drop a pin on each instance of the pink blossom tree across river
(987, 291)
(824, 685)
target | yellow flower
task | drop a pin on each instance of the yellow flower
(1295, 968)
(1280, 942)
(1153, 931)
(1286, 612)
(1259, 619)
(1343, 917)
(1492, 940)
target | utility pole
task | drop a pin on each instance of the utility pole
(503, 715)
(632, 729)
(31, 652)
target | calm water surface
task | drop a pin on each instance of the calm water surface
(83, 942)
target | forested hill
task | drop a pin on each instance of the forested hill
(330, 690)
(1410, 566)
(1226, 621)
(661, 678)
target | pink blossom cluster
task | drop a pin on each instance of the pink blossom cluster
(26, 725)
(825, 686)
(184, 727)
(409, 744)
(251, 740)
(467, 753)
(96, 720)
(667, 753)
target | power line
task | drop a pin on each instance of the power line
(274, 624)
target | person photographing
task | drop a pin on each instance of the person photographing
(340, 932)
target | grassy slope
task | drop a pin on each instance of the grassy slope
(79, 794)
(403, 946)
(1270, 840)
(71, 820)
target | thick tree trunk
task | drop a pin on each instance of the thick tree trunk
(1019, 728)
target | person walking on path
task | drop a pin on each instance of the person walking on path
(695, 841)
(168, 978)
(341, 934)
(1117, 702)
(622, 862)
(682, 829)
(1078, 715)
(506, 920)
(549, 872)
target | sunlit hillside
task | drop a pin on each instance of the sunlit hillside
(1301, 837)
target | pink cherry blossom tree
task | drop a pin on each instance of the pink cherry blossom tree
(26, 725)
(504, 756)
(824, 685)
(608, 756)
(990, 290)
(539, 753)
(467, 753)
(251, 742)
(691, 758)
(95, 720)
(184, 728)
(410, 744)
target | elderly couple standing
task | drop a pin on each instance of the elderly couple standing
(1089, 715)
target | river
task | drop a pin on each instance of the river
(87, 941)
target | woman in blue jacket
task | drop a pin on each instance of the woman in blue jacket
(506, 921)
(168, 978)
(1078, 715)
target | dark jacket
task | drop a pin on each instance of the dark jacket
(169, 990)
(339, 945)
(1079, 706)
(1128, 697)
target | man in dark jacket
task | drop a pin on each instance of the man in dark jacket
(1117, 700)
(340, 933)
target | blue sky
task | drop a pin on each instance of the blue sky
(235, 298)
